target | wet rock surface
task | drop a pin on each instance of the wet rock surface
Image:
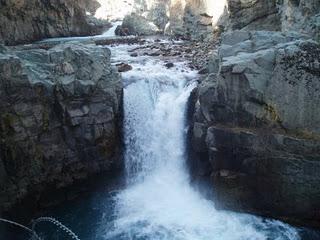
(60, 118)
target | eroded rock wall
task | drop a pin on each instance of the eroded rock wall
(275, 15)
(256, 124)
(26, 21)
(302, 16)
(59, 118)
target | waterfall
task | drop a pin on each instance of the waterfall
(159, 203)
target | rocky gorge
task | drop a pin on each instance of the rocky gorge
(254, 133)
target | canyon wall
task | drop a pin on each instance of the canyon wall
(26, 21)
(60, 118)
(256, 119)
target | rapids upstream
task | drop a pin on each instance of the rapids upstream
(157, 201)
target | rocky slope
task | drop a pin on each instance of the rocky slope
(25, 21)
(59, 117)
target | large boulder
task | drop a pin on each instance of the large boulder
(135, 24)
(59, 118)
(257, 124)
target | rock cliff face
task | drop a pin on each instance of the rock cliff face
(302, 16)
(135, 24)
(284, 15)
(256, 124)
(192, 18)
(256, 121)
(59, 117)
(252, 14)
(25, 21)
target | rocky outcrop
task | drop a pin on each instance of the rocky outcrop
(285, 15)
(256, 124)
(59, 118)
(135, 24)
(190, 18)
(25, 21)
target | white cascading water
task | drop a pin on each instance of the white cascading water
(159, 203)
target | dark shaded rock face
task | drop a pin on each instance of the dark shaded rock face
(25, 21)
(59, 117)
(256, 124)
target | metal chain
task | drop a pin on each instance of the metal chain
(33, 232)
(56, 223)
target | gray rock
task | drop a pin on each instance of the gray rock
(27, 21)
(138, 25)
(256, 118)
(158, 14)
(288, 15)
(169, 65)
(301, 16)
(264, 174)
(59, 118)
(254, 15)
(123, 67)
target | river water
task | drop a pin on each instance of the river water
(157, 201)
